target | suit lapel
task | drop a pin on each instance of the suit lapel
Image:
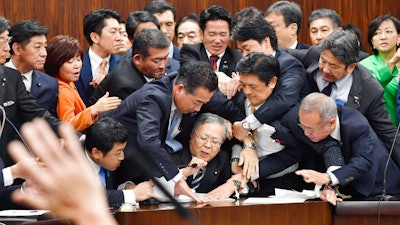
(354, 98)
(86, 72)
(3, 81)
(35, 83)
(203, 54)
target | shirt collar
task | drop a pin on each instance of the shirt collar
(336, 132)
(95, 166)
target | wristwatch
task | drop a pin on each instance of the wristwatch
(250, 145)
(234, 160)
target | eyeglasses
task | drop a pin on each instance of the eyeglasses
(4, 40)
(204, 139)
(309, 129)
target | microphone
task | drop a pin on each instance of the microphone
(142, 162)
(384, 196)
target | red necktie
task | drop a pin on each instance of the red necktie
(213, 61)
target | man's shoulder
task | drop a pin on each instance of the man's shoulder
(364, 77)
(234, 53)
(46, 78)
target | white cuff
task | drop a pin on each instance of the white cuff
(7, 177)
(334, 179)
(253, 122)
(178, 177)
(129, 196)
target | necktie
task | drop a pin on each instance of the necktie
(197, 179)
(103, 65)
(26, 82)
(102, 176)
(174, 145)
(328, 89)
(213, 61)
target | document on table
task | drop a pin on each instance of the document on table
(282, 196)
(22, 213)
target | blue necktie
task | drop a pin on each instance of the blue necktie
(197, 179)
(102, 175)
(174, 145)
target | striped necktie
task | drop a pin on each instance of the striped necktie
(197, 179)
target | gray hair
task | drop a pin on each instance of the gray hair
(210, 118)
(343, 45)
(320, 103)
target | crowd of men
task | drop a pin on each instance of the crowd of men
(272, 113)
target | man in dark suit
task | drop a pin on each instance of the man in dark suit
(286, 19)
(255, 35)
(166, 15)
(364, 153)
(147, 62)
(104, 146)
(101, 29)
(278, 150)
(335, 62)
(139, 20)
(28, 55)
(204, 150)
(215, 22)
(18, 104)
(156, 108)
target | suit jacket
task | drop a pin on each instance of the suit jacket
(115, 197)
(177, 53)
(197, 52)
(291, 88)
(83, 83)
(145, 113)
(217, 173)
(302, 46)
(5, 192)
(20, 106)
(120, 82)
(365, 96)
(45, 89)
(172, 66)
(365, 155)
(291, 154)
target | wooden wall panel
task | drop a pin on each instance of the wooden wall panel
(66, 16)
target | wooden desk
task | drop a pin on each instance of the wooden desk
(366, 213)
(220, 213)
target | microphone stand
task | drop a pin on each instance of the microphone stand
(140, 161)
(384, 196)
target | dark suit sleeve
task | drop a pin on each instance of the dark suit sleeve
(1, 173)
(221, 106)
(6, 201)
(115, 198)
(360, 156)
(292, 153)
(150, 115)
(286, 94)
(188, 54)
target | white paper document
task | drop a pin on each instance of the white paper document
(282, 196)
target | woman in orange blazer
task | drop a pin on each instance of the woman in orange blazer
(64, 62)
